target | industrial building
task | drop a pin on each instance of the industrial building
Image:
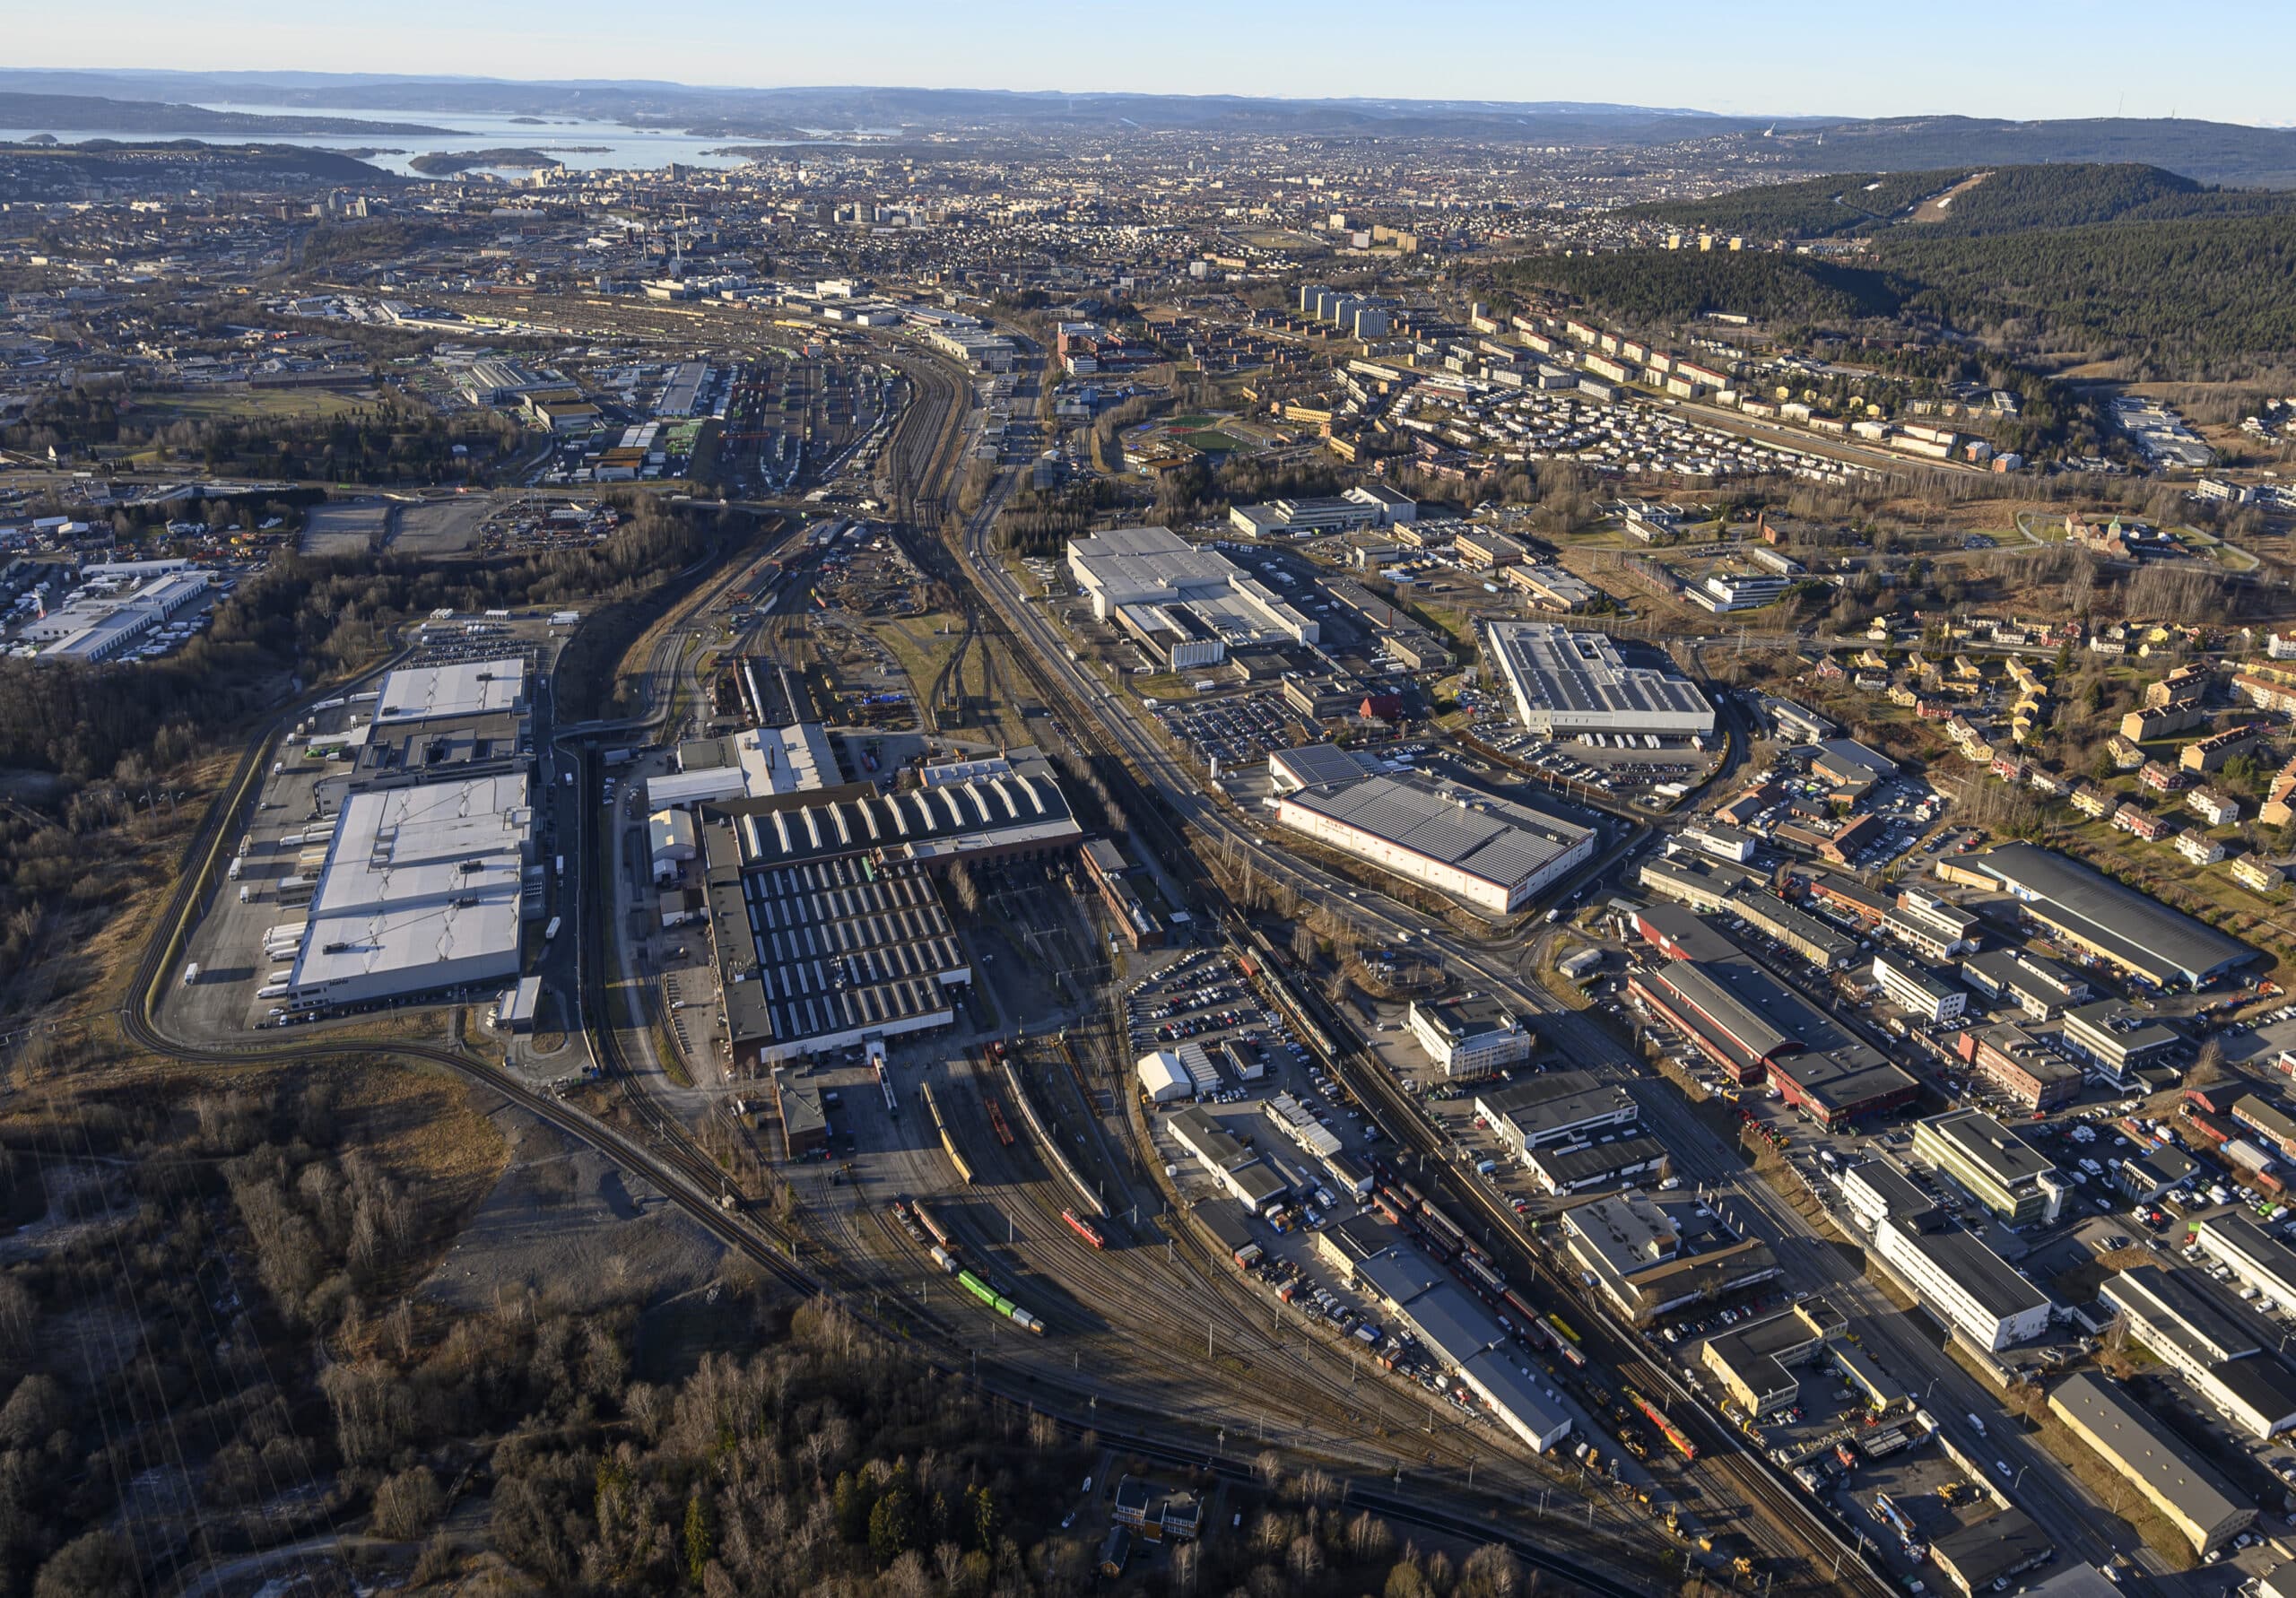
(2043, 989)
(1986, 1557)
(1112, 876)
(1466, 1036)
(2186, 1490)
(1966, 1285)
(757, 763)
(1758, 1029)
(1755, 1361)
(423, 890)
(2003, 1172)
(460, 689)
(826, 954)
(1554, 1108)
(1465, 1338)
(1369, 506)
(115, 611)
(2217, 1345)
(1188, 605)
(1823, 945)
(1703, 885)
(1496, 854)
(1565, 682)
(2260, 1261)
(827, 923)
(1580, 1168)
(1246, 1179)
(2118, 924)
(1162, 1078)
(1635, 1250)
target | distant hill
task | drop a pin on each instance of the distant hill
(2206, 152)
(1814, 208)
(1995, 200)
(88, 113)
(109, 166)
(1651, 288)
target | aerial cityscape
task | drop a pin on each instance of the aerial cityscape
(1571, 826)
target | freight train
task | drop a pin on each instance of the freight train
(999, 1303)
(941, 1129)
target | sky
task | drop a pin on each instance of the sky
(2223, 60)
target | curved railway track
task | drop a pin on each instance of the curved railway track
(664, 1152)
(1787, 1529)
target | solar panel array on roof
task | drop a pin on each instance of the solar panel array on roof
(844, 944)
(1566, 681)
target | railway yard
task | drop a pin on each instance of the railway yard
(991, 1184)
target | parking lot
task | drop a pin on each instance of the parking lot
(1234, 727)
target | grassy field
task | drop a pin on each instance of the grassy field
(918, 645)
(250, 404)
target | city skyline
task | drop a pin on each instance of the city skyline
(1802, 61)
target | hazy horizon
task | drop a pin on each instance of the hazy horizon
(1797, 59)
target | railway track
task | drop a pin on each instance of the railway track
(662, 1149)
(1791, 1531)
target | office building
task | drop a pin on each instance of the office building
(1915, 990)
(1468, 1036)
(1877, 1190)
(2217, 1345)
(2188, 1491)
(2020, 1064)
(2118, 1039)
(2041, 988)
(1496, 854)
(2130, 930)
(2000, 1171)
(1966, 1285)
(1565, 682)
